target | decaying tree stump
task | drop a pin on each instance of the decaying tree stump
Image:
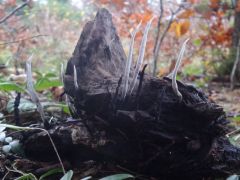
(149, 132)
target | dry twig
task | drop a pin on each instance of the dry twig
(24, 39)
(14, 11)
(158, 42)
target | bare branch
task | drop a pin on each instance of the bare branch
(235, 65)
(129, 61)
(159, 25)
(141, 54)
(159, 42)
(14, 11)
(24, 39)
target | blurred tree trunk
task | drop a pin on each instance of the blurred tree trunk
(236, 30)
(235, 75)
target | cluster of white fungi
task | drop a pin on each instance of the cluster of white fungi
(129, 86)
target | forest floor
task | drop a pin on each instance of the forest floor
(218, 92)
(227, 98)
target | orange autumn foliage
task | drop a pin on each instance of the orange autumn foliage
(237, 9)
(180, 28)
(144, 17)
(186, 14)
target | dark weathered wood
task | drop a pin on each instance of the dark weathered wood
(99, 57)
(150, 132)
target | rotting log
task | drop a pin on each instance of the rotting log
(150, 132)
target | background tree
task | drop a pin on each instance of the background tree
(235, 74)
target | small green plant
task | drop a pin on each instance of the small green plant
(233, 177)
(68, 175)
(50, 173)
(118, 177)
(11, 86)
(46, 81)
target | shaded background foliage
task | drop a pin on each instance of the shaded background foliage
(50, 29)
